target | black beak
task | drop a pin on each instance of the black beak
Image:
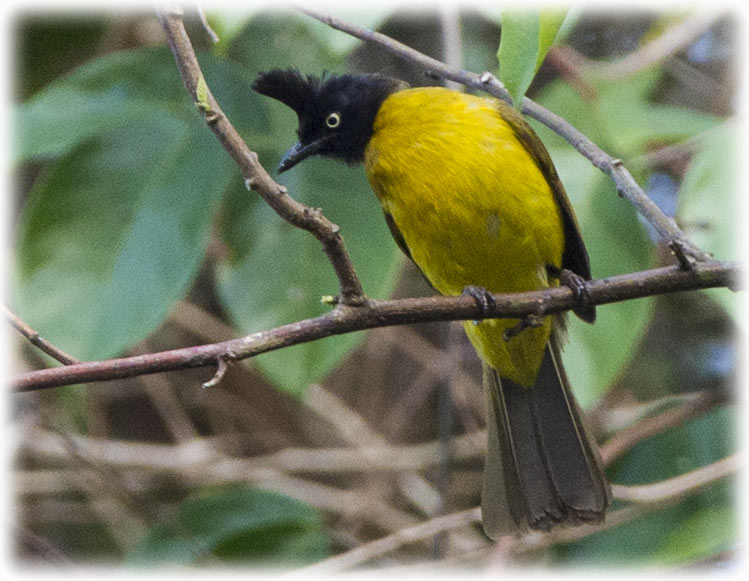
(300, 152)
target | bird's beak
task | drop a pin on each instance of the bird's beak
(299, 153)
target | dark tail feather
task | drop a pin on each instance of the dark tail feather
(542, 469)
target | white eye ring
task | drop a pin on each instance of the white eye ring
(333, 120)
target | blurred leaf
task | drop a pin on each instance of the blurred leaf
(115, 230)
(684, 531)
(235, 525)
(111, 237)
(229, 22)
(273, 39)
(708, 204)
(45, 47)
(707, 533)
(276, 274)
(620, 116)
(367, 15)
(527, 35)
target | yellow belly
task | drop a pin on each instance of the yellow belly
(472, 207)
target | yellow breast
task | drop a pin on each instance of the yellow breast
(472, 206)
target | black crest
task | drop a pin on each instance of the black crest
(354, 98)
(289, 87)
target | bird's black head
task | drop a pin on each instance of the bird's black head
(335, 112)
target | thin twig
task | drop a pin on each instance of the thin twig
(625, 183)
(37, 340)
(356, 431)
(387, 313)
(681, 485)
(256, 178)
(651, 54)
(222, 366)
(206, 26)
(207, 465)
(371, 550)
(651, 426)
(197, 455)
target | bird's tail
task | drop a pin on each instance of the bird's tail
(542, 468)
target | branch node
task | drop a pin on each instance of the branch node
(252, 158)
(487, 79)
(222, 364)
(527, 322)
(686, 262)
(616, 162)
(330, 300)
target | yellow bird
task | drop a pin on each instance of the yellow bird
(472, 197)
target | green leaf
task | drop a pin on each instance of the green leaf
(238, 526)
(707, 533)
(526, 38)
(115, 230)
(708, 205)
(113, 235)
(273, 38)
(550, 22)
(276, 274)
(621, 118)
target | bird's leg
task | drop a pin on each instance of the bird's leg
(484, 299)
(528, 322)
(573, 281)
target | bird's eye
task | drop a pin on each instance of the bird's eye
(333, 120)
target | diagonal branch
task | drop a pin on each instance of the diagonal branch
(625, 183)
(343, 319)
(256, 178)
(37, 340)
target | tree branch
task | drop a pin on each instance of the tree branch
(345, 319)
(625, 183)
(37, 340)
(256, 178)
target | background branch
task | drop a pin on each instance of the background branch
(625, 183)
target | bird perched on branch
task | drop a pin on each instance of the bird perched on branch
(471, 196)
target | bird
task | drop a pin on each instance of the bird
(472, 197)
